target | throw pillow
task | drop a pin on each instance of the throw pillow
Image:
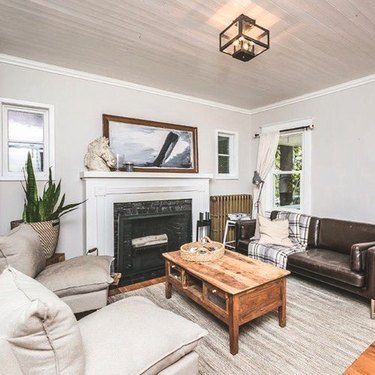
(40, 329)
(84, 274)
(274, 232)
(21, 249)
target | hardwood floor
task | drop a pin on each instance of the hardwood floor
(365, 364)
(143, 284)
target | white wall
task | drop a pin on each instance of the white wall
(343, 150)
(79, 105)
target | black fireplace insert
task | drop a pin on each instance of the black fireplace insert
(143, 231)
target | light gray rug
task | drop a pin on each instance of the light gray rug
(326, 330)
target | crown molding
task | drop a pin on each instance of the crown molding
(36, 65)
(316, 94)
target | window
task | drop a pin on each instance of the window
(26, 127)
(288, 185)
(287, 172)
(227, 155)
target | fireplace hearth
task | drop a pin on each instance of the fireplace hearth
(144, 230)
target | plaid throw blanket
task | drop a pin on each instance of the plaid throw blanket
(278, 255)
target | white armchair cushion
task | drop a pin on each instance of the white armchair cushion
(134, 336)
(22, 250)
(39, 328)
(84, 274)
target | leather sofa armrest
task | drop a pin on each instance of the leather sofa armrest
(358, 256)
(246, 229)
(371, 272)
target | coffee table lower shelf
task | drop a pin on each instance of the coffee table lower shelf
(233, 309)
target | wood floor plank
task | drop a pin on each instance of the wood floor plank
(142, 284)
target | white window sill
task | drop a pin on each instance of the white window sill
(286, 209)
(226, 177)
(21, 178)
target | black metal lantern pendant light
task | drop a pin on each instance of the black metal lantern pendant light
(243, 39)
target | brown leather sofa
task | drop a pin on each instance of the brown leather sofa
(340, 253)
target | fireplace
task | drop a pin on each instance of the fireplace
(104, 190)
(143, 230)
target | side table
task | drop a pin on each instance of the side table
(231, 245)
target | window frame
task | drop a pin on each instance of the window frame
(233, 155)
(48, 137)
(305, 180)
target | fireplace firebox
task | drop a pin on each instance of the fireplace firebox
(144, 230)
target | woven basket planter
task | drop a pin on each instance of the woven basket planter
(48, 232)
(204, 250)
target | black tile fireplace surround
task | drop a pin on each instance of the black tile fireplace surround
(141, 259)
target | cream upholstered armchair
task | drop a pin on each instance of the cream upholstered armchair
(40, 335)
(81, 282)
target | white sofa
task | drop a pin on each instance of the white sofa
(40, 335)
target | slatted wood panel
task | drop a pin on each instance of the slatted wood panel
(221, 206)
(314, 44)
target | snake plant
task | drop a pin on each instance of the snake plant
(47, 207)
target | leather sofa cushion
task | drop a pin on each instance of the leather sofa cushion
(84, 274)
(38, 328)
(328, 263)
(22, 250)
(340, 235)
(145, 339)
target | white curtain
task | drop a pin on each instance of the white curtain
(266, 157)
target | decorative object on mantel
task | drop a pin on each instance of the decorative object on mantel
(99, 156)
(153, 146)
(43, 213)
(204, 250)
(243, 39)
(129, 166)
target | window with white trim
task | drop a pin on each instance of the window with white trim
(288, 185)
(226, 155)
(287, 172)
(26, 127)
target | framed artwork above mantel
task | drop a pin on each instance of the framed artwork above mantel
(153, 146)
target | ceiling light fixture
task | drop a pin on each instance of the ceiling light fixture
(243, 39)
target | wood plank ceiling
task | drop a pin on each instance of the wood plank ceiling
(173, 44)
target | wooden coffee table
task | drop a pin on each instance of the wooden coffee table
(234, 288)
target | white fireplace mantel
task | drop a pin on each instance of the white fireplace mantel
(103, 189)
(140, 175)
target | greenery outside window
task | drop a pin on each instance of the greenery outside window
(287, 172)
(26, 127)
(227, 155)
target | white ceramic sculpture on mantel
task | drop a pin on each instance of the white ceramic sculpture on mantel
(99, 156)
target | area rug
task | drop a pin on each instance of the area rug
(326, 331)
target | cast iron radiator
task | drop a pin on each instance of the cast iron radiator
(221, 206)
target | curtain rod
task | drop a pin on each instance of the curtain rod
(308, 127)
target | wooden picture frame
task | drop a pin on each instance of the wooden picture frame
(153, 146)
